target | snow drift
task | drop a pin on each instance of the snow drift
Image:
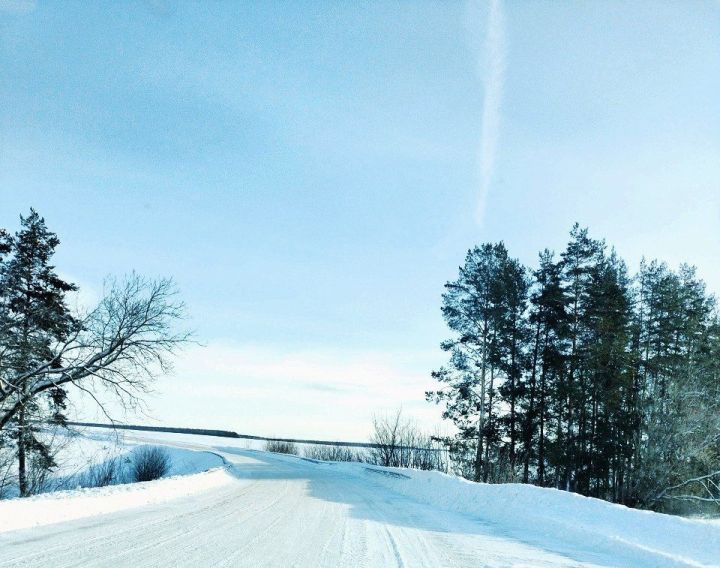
(191, 472)
(540, 515)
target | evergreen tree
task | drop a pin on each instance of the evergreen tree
(581, 260)
(610, 380)
(512, 297)
(548, 320)
(36, 318)
(478, 307)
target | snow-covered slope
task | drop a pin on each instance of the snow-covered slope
(271, 510)
(190, 472)
(63, 506)
(539, 515)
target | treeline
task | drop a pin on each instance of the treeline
(169, 429)
(580, 376)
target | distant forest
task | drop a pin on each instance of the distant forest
(578, 375)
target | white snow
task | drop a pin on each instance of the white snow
(540, 514)
(63, 506)
(190, 472)
(271, 510)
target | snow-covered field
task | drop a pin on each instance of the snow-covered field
(238, 506)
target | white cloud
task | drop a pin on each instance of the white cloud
(272, 390)
(491, 67)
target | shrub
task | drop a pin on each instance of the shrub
(102, 474)
(280, 447)
(149, 463)
(333, 453)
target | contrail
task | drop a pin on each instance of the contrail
(492, 68)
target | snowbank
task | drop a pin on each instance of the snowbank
(191, 472)
(535, 514)
(67, 505)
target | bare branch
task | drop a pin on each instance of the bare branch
(123, 345)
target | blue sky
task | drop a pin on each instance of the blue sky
(312, 173)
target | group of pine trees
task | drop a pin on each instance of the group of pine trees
(578, 376)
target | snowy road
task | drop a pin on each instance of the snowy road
(282, 511)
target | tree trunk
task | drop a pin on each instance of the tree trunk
(22, 469)
(481, 428)
(489, 421)
(512, 401)
(530, 417)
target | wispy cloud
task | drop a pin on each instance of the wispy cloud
(491, 67)
(307, 392)
(17, 6)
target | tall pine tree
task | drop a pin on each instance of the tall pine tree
(485, 307)
(37, 318)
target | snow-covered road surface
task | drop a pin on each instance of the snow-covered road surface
(284, 511)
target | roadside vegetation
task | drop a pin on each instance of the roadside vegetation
(150, 463)
(282, 447)
(334, 453)
(107, 472)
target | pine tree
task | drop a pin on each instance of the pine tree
(37, 317)
(476, 308)
(580, 260)
(512, 292)
(548, 321)
(610, 379)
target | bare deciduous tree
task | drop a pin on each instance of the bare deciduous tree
(387, 435)
(398, 442)
(121, 346)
